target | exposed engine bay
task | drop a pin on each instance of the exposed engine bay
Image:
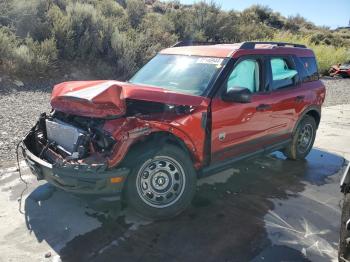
(95, 124)
(76, 135)
(60, 137)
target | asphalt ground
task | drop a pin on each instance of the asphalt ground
(262, 209)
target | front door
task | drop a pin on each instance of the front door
(240, 128)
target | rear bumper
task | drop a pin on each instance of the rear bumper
(75, 178)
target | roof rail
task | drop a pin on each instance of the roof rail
(251, 45)
(192, 42)
(244, 45)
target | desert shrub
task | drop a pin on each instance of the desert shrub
(83, 31)
(298, 23)
(115, 37)
(327, 38)
(157, 33)
(34, 57)
(136, 10)
(135, 47)
(182, 22)
(205, 18)
(6, 8)
(7, 43)
(109, 8)
(61, 30)
(229, 27)
(327, 55)
(84, 25)
(159, 7)
(125, 53)
(104, 69)
(203, 22)
(330, 55)
(29, 19)
(252, 31)
(255, 23)
(262, 14)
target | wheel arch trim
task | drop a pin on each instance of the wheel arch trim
(312, 111)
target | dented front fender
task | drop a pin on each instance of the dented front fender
(128, 131)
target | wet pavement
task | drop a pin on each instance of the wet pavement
(263, 209)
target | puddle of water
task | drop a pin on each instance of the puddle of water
(42, 193)
(225, 221)
(280, 253)
(221, 177)
(321, 164)
(309, 222)
(317, 167)
(57, 217)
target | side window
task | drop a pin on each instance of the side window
(245, 74)
(283, 74)
(310, 69)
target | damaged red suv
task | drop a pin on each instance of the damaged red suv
(190, 111)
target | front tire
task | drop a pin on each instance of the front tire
(302, 140)
(161, 183)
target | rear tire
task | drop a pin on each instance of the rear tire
(302, 140)
(162, 182)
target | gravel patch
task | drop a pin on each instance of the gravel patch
(338, 91)
(21, 108)
(18, 113)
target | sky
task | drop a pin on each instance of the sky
(332, 13)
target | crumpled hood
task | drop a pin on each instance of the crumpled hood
(105, 98)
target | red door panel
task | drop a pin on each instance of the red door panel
(238, 128)
(283, 106)
(313, 93)
(283, 98)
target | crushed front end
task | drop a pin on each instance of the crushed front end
(71, 153)
(82, 144)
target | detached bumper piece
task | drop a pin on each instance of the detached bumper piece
(91, 178)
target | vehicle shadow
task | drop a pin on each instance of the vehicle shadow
(224, 223)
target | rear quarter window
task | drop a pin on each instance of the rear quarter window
(308, 69)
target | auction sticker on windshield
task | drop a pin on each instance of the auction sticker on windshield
(209, 60)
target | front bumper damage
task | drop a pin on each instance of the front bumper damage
(80, 178)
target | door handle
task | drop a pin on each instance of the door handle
(299, 99)
(263, 107)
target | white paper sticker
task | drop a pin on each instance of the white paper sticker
(209, 60)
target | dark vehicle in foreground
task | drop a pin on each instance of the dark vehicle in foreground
(190, 111)
(344, 240)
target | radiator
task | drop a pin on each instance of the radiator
(64, 135)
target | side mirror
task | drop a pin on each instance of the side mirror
(237, 94)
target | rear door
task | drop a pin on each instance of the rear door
(284, 97)
(241, 128)
(311, 88)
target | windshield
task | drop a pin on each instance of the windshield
(179, 73)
